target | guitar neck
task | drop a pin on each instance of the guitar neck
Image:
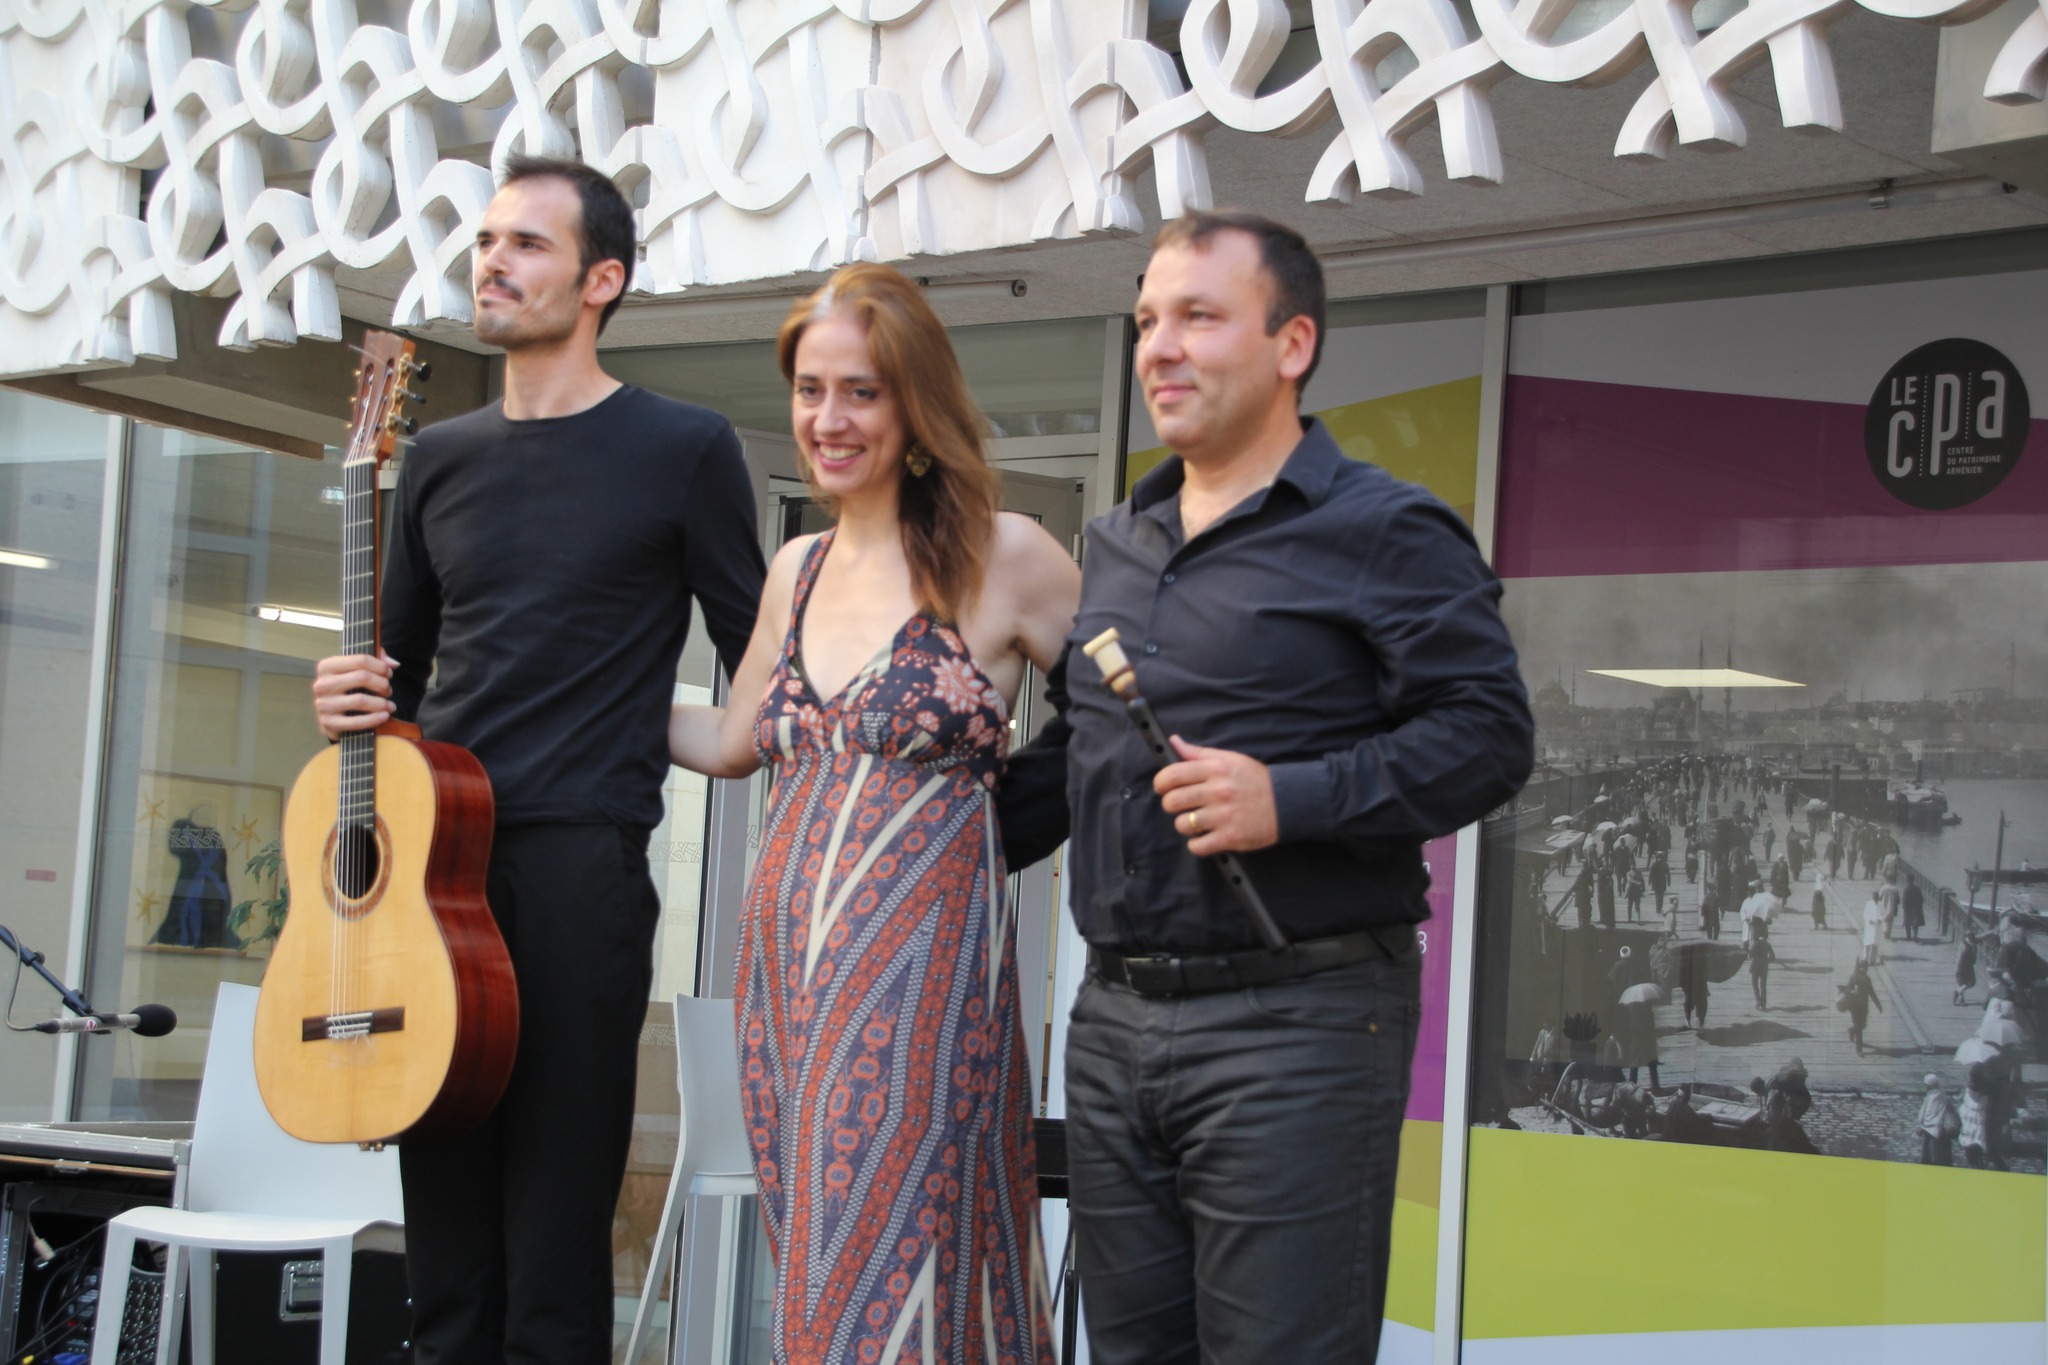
(387, 367)
(359, 627)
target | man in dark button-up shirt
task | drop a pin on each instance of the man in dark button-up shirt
(1340, 628)
(1324, 644)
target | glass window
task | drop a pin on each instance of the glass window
(1035, 378)
(737, 379)
(52, 474)
(210, 723)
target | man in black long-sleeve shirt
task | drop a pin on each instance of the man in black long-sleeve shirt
(543, 555)
(1332, 637)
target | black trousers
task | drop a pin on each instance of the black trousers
(1232, 1159)
(508, 1227)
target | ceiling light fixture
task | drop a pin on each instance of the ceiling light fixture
(1883, 196)
(292, 616)
(1693, 677)
(22, 559)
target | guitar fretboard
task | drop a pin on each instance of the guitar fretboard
(359, 629)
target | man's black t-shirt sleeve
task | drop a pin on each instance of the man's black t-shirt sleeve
(721, 555)
(411, 599)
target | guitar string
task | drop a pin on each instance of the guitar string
(352, 839)
(353, 886)
(365, 792)
(344, 844)
(338, 970)
(337, 871)
(366, 795)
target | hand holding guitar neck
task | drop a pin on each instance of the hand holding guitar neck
(1123, 680)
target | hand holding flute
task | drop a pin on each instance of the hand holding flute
(1116, 668)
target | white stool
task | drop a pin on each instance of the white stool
(252, 1187)
(712, 1162)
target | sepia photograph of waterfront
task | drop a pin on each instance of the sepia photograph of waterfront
(1781, 877)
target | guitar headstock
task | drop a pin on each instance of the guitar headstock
(384, 376)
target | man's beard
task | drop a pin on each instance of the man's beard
(535, 323)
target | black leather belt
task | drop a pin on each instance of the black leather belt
(1198, 974)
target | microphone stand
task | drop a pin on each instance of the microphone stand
(73, 1001)
(1123, 681)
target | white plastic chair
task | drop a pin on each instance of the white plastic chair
(251, 1187)
(712, 1162)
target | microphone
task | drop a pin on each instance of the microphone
(148, 1021)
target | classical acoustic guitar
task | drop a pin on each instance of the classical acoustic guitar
(389, 1006)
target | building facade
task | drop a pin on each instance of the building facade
(1750, 438)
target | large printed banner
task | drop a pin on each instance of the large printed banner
(1776, 568)
(1404, 395)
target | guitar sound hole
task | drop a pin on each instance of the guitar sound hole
(357, 861)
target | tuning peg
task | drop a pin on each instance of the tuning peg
(422, 370)
(409, 396)
(408, 425)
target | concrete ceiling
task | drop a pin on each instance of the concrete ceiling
(1557, 145)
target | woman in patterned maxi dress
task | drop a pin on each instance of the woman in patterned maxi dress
(885, 1085)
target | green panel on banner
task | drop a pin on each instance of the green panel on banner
(1570, 1236)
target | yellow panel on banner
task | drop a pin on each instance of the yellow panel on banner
(1570, 1236)
(1428, 436)
(1411, 1272)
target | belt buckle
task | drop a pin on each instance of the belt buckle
(1157, 975)
(1125, 976)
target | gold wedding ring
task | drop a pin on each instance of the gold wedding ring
(1194, 822)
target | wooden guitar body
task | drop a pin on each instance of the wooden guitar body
(392, 1011)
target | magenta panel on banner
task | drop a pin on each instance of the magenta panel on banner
(1618, 478)
(1426, 1077)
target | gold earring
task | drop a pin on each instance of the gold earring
(919, 462)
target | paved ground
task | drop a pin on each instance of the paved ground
(1864, 1105)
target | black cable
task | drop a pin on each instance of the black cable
(52, 1330)
(25, 956)
(77, 1291)
(19, 963)
(94, 1231)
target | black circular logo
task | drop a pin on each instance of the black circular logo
(1946, 424)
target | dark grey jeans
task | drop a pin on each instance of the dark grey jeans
(1233, 1161)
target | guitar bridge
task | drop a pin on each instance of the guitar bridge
(340, 1028)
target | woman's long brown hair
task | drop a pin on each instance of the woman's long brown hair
(948, 514)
